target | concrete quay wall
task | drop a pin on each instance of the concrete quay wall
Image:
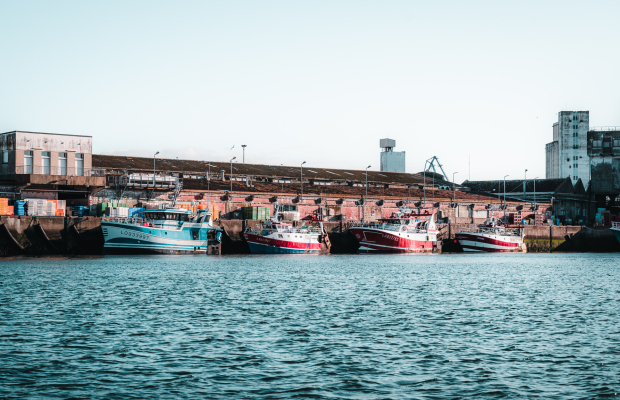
(64, 235)
(547, 239)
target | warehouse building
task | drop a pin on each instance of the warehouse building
(604, 155)
(48, 165)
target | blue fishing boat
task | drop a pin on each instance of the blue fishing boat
(162, 231)
(615, 228)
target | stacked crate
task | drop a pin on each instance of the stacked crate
(539, 219)
(212, 208)
(5, 208)
(256, 213)
(19, 207)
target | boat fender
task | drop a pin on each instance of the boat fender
(270, 232)
(218, 237)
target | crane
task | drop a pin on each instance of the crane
(429, 166)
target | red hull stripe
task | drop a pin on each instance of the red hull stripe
(485, 249)
(486, 240)
(386, 241)
(281, 243)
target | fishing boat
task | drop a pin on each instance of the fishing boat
(615, 228)
(492, 236)
(162, 231)
(274, 236)
(403, 232)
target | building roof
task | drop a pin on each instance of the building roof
(128, 163)
(333, 190)
(46, 133)
(515, 187)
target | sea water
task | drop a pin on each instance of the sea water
(284, 326)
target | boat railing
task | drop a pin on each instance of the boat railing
(392, 227)
(492, 230)
(124, 220)
(615, 225)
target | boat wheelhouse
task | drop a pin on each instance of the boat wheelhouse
(164, 231)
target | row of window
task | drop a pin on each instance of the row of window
(600, 143)
(45, 167)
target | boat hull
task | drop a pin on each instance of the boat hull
(476, 242)
(616, 232)
(131, 239)
(384, 241)
(270, 245)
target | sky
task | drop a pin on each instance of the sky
(314, 81)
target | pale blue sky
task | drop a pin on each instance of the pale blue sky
(315, 81)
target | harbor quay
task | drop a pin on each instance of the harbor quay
(59, 198)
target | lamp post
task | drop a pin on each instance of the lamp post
(301, 179)
(454, 188)
(231, 160)
(424, 186)
(505, 189)
(366, 198)
(154, 155)
(244, 146)
(525, 187)
(367, 181)
(535, 193)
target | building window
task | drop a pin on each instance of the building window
(79, 165)
(45, 163)
(597, 143)
(616, 142)
(28, 162)
(606, 144)
(5, 157)
(62, 163)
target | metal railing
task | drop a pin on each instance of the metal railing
(604, 129)
(615, 225)
(48, 170)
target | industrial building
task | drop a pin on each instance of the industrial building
(391, 161)
(566, 155)
(48, 165)
(570, 202)
(604, 157)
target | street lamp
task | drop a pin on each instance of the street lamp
(454, 188)
(525, 187)
(154, 169)
(505, 189)
(367, 181)
(231, 160)
(535, 193)
(424, 186)
(244, 146)
(366, 198)
(301, 173)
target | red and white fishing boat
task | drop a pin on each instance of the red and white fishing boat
(278, 237)
(403, 233)
(491, 237)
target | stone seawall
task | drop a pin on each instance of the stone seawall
(22, 235)
(64, 235)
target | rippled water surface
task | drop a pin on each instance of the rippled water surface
(363, 326)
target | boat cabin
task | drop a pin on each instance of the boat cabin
(173, 217)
